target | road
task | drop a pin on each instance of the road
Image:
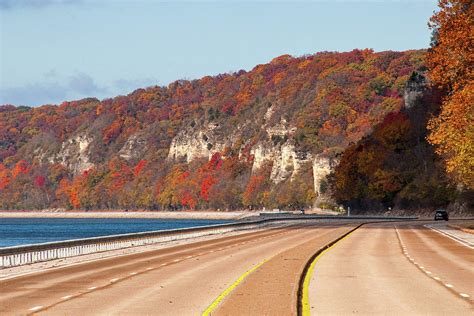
(181, 280)
(373, 270)
(401, 269)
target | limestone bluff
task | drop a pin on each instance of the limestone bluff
(263, 138)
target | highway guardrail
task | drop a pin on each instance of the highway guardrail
(28, 254)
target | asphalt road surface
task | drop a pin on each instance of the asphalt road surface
(182, 280)
(258, 273)
(398, 269)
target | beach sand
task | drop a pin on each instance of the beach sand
(217, 215)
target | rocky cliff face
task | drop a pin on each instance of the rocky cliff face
(416, 87)
(150, 147)
(322, 167)
(134, 148)
(74, 153)
(286, 162)
(276, 148)
(195, 142)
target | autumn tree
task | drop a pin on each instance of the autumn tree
(168, 188)
(64, 194)
(394, 166)
(4, 176)
(232, 175)
(257, 192)
(324, 101)
(295, 192)
(451, 60)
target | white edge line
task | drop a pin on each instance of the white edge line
(449, 236)
(68, 265)
(36, 308)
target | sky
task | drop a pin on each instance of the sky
(57, 50)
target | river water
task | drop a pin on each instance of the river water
(26, 231)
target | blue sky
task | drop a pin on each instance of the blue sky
(56, 50)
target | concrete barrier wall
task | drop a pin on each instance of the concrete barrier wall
(21, 255)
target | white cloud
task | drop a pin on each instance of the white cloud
(84, 84)
(56, 88)
(53, 89)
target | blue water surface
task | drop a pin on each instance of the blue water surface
(26, 231)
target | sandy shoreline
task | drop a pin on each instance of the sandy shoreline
(121, 214)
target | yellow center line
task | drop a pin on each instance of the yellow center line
(227, 291)
(305, 299)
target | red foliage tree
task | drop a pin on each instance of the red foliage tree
(139, 167)
(40, 181)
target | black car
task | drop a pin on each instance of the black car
(441, 214)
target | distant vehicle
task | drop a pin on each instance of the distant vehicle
(441, 214)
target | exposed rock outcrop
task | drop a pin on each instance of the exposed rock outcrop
(415, 88)
(286, 162)
(134, 148)
(74, 153)
(194, 142)
(322, 167)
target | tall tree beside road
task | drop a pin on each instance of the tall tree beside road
(451, 60)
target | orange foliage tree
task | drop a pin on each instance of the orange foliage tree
(21, 167)
(451, 61)
(4, 176)
(332, 99)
